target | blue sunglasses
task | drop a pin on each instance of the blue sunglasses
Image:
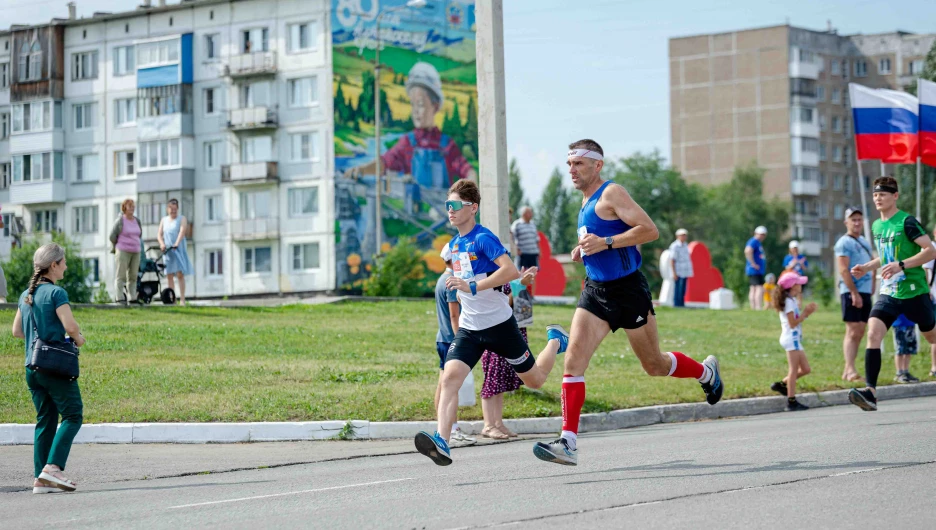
(454, 206)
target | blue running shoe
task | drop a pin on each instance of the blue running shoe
(555, 331)
(713, 389)
(434, 447)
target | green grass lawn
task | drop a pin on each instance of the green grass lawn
(377, 361)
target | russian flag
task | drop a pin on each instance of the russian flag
(886, 124)
(927, 91)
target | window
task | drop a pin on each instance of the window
(214, 263)
(4, 75)
(839, 211)
(158, 53)
(257, 260)
(302, 36)
(84, 65)
(35, 116)
(256, 149)
(916, 67)
(93, 266)
(303, 201)
(303, 92)
(861, 68)
(836, 124)
(836, 153)
(305, 257)
(4, 125)
(213, 209)
(846, 125)
(838, 182)
(255, 40)
(37, 166)
(45, 220)
(847, 155)
(158, 101)
(30, 61)
(823, 180)
(210, 107)
(159, 154)
(255, 205)
(836, 67)
(86, 168)
(822, 122)
(809, 145)
(84, 116)
(124, 164)
(884, 66)
(6, 176)
(823, 210)
(822, 152)
(845, 68)
(820, 93)
(803, 114)
(212, 155)
(124, 60)
(211, 46)
(836, 96)
(848, 185)
(7, 229)
(806, 56)
(304, 147)
(85, 219)
(125, 114)
(803, 87)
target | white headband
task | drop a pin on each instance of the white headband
(586, 154)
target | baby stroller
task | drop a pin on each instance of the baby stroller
(149, 288)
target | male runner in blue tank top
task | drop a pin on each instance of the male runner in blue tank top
(481, 267)
(616, 296)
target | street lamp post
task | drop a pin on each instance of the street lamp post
(379, 179)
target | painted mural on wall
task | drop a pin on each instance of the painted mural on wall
(429, 124)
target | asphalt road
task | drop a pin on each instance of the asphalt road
(836, 467)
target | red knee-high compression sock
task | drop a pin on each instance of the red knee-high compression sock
(685, 366)
(573, 398)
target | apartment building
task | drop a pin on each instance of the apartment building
(224, 105)
(779, 96)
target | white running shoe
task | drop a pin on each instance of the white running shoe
(557, 452)
(460, 439)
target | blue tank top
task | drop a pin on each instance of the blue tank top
(611, 264)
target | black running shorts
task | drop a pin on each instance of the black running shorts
(622, 303)
(918, 309)
(503, 339)
(850, 313)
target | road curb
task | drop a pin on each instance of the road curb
(141, 433)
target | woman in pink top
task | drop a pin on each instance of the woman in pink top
(126, 236)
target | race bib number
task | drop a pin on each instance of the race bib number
(461, 266)
(582, 232)
(890, 285)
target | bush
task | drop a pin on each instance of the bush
(101, 296)
(823, 286)
(20, 268)
(397, 273)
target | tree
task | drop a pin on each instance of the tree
(19, 269)
(553, 218)
(470, 134)
(398, 272)
(515, 188)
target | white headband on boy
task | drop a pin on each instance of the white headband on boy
(586, 154)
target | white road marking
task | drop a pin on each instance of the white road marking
(291, 493)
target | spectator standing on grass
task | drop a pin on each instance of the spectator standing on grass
(789, 287)
(770, 283)
(681, 266)
(448, 311)
(756, 267)
(44, 313)
(794, 261)
(173, 228)
(905, 346)
(127, 238)
(850, 250)
(525, 236)
(930, 276)
(499, 376)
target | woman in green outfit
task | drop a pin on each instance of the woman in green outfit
(44, 312)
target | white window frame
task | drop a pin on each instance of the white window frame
(252, 208)
(835, 67)
(210, 99)
(836, 153)
(916, 66)
(86, 168)
(86, 112)
(40, 166)
(884, 65)
(245, 37)
(212, 46)
(164, 149)
(84, 70)
(4, 75)
(214, 209)
(822, 151)
(836, 124)
(126, 66)
(84, 216)
(820, 93)
(158, 53)
(214, 258)
(293, 90)
(836, 96)
(249, 255)
(296, 146)
(300, 257)
(6, 125)
(45, 220)
(294, 36)
(861, 68)
(125, 108)
(122, 161)
(293, 199)
(212, 153)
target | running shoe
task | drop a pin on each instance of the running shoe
(557, 452)
(555, 331)
(932, 373)
(433, 446)
(902, 378)
(911, 378)
(793, 406)
(780, 388)
(713, 389)
(460, 439)
(863, 398)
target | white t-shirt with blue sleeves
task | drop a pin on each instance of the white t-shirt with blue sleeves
(473, 258)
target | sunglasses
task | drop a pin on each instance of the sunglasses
(454, 206)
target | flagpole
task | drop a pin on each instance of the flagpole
(919, 179)
(864, 200)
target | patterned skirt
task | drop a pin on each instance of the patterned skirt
(499, 376)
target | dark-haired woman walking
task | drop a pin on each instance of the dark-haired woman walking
(44, 313)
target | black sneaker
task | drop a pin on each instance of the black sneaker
(863, 398)
(713, 389)
(780, 388)
(910, 378)
(793, 406)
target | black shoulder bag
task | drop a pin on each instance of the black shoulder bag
(53, 358)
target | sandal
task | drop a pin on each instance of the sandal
(853, 378)
(503, 428)
(494, 433)
(51, 480)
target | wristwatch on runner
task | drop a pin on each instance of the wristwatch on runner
(901, 264)
(610, 241)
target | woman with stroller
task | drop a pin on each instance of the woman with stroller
(127, 238)
(173, 228)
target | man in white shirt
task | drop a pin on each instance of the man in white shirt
(526, 239)
(681, 266)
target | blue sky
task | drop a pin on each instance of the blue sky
(599, 68)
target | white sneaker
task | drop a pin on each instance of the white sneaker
(558, 452)
(460, 439)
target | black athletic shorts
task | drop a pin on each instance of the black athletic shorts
(503, 339)
(918, 309)
(756, 279)
(622, 303)
(529, 260)
(851, 313)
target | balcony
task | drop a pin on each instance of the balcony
(248, 64)
(806, 218)
(804, 69)
(250, 173)
(38, 192)
(165, 180)
(165, 126)
(252, 118)
(254, 229)
(805, 187)
(804, 129)
(810, 248)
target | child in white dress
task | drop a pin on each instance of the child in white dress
(789, 287)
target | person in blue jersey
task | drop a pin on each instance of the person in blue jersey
(481, 267)
(616, 295)
(755, 267)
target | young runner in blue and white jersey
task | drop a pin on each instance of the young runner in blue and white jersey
(481, 267)
(616, 296)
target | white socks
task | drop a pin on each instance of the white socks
(454, 427)
(706, 374)
(570, 437)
